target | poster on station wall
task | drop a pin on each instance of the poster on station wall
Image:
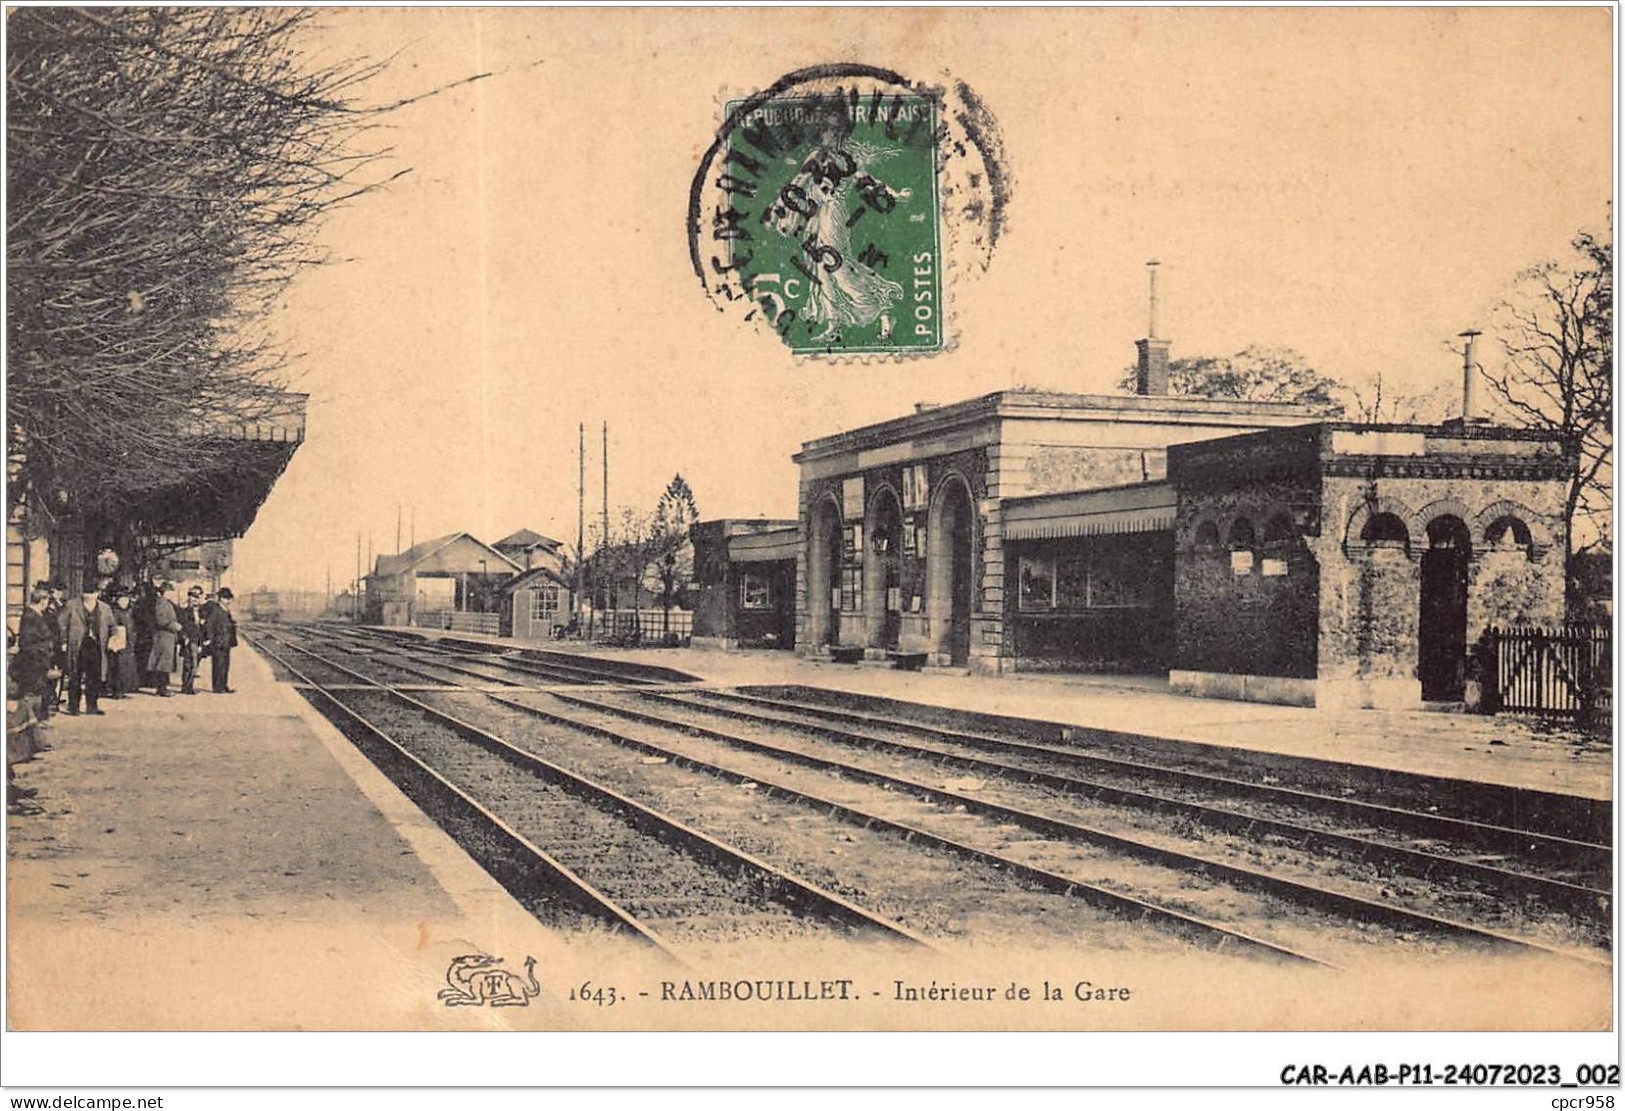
(916, 487)
(852, 499)
(598, 275)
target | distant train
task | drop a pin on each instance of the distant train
(264, 606)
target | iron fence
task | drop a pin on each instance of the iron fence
(1563, 673)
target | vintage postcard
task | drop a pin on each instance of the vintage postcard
(815, 520)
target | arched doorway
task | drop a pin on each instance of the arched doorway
(823, 574)
(949, 558)
(882, 574)
(1442, 627)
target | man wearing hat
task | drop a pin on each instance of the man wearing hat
(166, 628)
(87, 625)
(146, 605)
(52, 695)
(190, 617)
(221, 630)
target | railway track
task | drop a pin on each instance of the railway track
(493, 666)
(1573, 881)
(1291, 877)
(969, 752)
(564, 840)
(1189, 926)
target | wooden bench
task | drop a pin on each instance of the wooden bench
(908, 661)
(846, 653)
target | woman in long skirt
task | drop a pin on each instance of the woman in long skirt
(122, 668)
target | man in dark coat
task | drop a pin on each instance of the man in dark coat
(36, 647)
(166, 628)
(191, 638)
(222, 638)
(52, 694)
(86, 627)
(146, 602)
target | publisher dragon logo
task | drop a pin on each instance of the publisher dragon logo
(475, 980)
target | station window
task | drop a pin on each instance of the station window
(1037, 583)
(1242, 537)
(1385, 530)
(1106, 575)
(1507, 533)
(544, 603)
(755, 591)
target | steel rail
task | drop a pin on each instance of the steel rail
(391, 654)
(1591, 903)
(1353, 906)
(499, 659)
(1127, 906)
(1585, 854)
(550, 875)
(401, 661)
(775, 883)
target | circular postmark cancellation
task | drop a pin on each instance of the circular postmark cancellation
(837, 206)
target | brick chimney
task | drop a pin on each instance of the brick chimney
(1151, 377)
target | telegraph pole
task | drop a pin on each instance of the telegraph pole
(397, 527)
(355, 596)
(581, 516)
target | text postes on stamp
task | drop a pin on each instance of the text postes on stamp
(830, 204)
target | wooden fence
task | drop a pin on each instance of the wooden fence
(647, 625)
(459, 622)
(1564, 673)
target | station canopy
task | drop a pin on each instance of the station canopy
(219, 501)
(765, 547)
(1141, 507)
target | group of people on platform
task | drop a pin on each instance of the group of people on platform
(110, 641)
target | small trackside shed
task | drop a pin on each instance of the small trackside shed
(745, 583)
(540, 604)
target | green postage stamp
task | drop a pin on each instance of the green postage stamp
(829, 203)
(844, 237)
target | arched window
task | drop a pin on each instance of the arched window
(1242, 537)
(1507, 534)
(1448, 532)
(1385, 530)
(1280, 532)
(1207, 536)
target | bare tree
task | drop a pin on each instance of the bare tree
(1254, 374)
(166, 170)
(1382, 403)
(1558, 375)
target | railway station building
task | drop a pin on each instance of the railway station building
(1245, 549)
(450, 581)
(745, 582)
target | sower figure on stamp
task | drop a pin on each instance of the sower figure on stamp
(166, 629)
(846, 292)
(191, 638)
(221, 629)
(87, 625)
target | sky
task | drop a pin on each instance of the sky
(1358, 185)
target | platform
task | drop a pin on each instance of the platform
(1503, 750)
(231, 862)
